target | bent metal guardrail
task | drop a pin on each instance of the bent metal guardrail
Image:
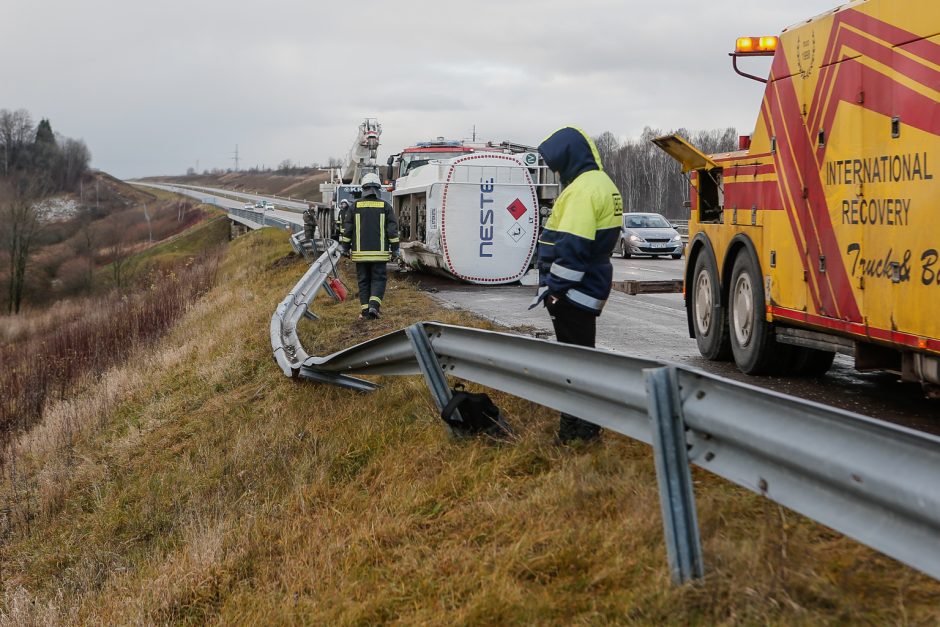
(873, 481)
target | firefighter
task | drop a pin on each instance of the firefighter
(574, 250)
(370, 231)
(310, 224)
(341, 216)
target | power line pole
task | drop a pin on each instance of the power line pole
(236, 157)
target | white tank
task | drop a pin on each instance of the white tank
(481, 221)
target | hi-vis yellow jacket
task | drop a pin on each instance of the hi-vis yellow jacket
(575, 246)
(370, 229)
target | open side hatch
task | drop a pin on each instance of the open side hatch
(708, 176)
(690, 157)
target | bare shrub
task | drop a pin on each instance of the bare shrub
(74, 275)
(42, 366)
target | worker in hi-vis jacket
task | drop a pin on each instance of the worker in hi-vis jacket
(574, 249)
(370, 236)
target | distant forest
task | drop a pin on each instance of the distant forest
(648, 178)
(52, 163)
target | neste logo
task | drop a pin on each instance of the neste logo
(486, 217)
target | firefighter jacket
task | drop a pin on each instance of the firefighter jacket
(370, 229)
(579, 237)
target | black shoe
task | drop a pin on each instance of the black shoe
(374, 313)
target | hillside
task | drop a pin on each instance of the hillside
(85, 237)
(196, 483)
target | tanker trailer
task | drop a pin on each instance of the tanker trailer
(466, 212)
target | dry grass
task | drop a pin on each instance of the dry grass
(44, 361)
(203, 486)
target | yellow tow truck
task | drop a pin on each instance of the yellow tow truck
(821, 234)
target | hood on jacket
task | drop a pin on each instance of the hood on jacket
(570, 152)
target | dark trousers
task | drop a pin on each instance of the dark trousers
(574, 325)
(371, 278)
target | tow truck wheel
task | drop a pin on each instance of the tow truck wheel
(711, 327)
(752, 337)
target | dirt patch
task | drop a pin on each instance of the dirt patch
(288, 260)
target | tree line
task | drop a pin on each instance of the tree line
(54, 162)
(35, 163)
(648, 178)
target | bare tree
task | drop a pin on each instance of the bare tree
(16, 135)
(650, 180)
(74, 158)
(20, 227)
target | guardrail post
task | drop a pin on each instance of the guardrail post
(431, 368)
(676, 497)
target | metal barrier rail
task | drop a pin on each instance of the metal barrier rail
(873, 481)
(287, 203)
(260, 219)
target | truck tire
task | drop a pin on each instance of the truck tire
(810, 362)
(752, 338)
(708, 318)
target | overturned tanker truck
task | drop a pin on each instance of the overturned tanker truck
(470, 211)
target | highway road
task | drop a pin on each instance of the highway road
(654, 325)
(294, 205)
(207, 194)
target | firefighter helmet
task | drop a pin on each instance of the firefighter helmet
(371, 180)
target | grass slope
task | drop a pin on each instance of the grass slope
(199, 484)
(190, 243)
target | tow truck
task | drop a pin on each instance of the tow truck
(344, 183)
(821, 234)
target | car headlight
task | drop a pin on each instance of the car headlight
(636, 239)
(677, 238)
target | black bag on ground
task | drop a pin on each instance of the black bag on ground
(478, 414)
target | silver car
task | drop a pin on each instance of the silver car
(648, 234)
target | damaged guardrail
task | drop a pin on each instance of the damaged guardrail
(873, 481)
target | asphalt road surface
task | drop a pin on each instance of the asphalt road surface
(207, 195)
(654, 325)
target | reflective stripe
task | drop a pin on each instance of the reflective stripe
(566, 273)
(583, 299)
(377, 204)
(364, 307)
(394, 240)
(539, 296)
(376, 299)
(546, 243)
(344, 239)
(382, 231)
(358, 233)
(370, 256)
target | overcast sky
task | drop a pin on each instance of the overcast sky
(155, 87)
